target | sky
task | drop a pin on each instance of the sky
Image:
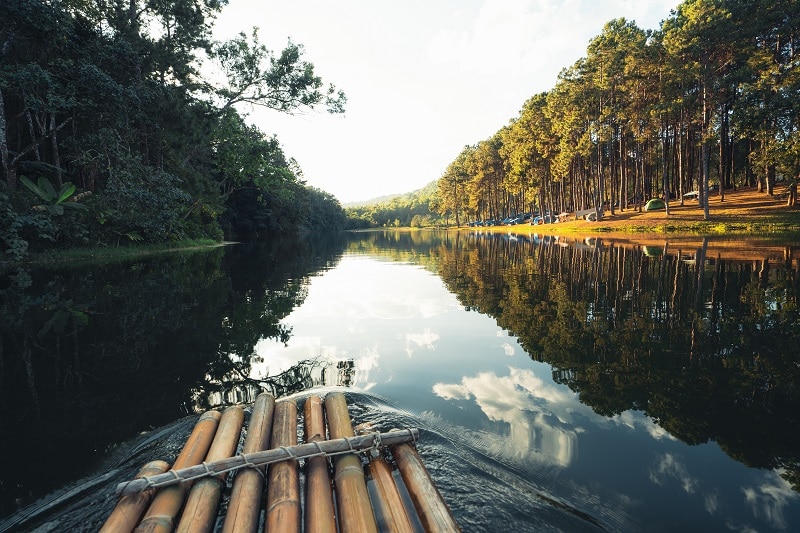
(423, 78)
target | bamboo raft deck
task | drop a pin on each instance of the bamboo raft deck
(349, 480)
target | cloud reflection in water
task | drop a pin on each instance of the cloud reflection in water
(769, 499)
(539, 414)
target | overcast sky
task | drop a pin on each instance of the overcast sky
(423, 78)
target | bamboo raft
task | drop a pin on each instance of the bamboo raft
(349, 480)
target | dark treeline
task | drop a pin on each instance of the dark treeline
(110, 130)
(709, 100)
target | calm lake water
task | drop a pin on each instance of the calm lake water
(560, 385)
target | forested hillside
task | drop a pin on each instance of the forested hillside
(110, 132)
(414, 209)
(709, 101)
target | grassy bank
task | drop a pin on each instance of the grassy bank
(101, 254)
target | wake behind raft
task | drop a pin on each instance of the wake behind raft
(187, 495)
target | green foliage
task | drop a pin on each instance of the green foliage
(398, 211)
(110, 102)
(324, 212)
(141, 202)
(710, 97)
(284, 83)
(15, 246)
(55, 202)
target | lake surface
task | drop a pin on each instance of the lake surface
(560, 385)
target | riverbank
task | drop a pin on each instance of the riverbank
(747, 225)
(99, 254)
(744, 212)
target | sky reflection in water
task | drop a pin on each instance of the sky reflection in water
(412, 342)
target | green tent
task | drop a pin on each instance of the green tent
(655, 203)
(653, 251)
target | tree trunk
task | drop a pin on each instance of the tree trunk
(762, 179)
(11, 172)
(679, 150)
(771, 173)
(56, 156)
(705, 155)
(611, 175)
(792, 200)
(664, 162)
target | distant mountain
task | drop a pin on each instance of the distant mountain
(373, 201)
(403, 210)
(425, 191)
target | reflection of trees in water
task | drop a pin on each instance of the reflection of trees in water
(238, 387)
(703, 345)
(90, 356)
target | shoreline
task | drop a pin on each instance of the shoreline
(747, 226)
(742, 213)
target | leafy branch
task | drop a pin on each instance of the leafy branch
(55, 201)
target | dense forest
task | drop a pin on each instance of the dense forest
(710, 100)
(122, 121)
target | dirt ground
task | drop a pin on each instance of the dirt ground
(727, 232)
(739, 207)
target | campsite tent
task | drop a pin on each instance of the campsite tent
(654, 204)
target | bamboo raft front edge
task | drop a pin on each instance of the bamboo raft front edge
(350, 484)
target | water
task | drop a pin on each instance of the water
(560, 385)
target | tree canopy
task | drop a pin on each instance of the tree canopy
(106, 105)
(707, 101)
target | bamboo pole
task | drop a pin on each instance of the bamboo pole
(129, 508)
(431, 508)
(161, 515)
(283, 481)
(352, 498)
(392, 514)
(200, 512)
(320, 516)
(248, 485)
(390, 510)
(266, 457)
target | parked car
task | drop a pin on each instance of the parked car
(547, 218)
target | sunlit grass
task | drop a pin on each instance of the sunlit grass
(761, 227)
